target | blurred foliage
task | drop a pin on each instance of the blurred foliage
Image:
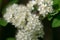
(10, 39)
(0, 1)
(55, 16)
(3, 22)
(56, 4)
(13, 1)
(56, 21)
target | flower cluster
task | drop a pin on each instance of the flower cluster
(28, 24)
(44, 6)
(32, 30)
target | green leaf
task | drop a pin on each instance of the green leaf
(56, 21)
(50, 15)
(10, 39)
(56, 4)
(3, 22)
(56, 1)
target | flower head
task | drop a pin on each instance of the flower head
(28, 24)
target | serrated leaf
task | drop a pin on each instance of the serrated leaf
(56, 21)
(10, 39)
(3, 22)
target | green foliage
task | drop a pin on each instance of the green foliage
(55, 16)
(10, 39)
(56, 21)
(56, 4)
(50, 17)
(0, 1)
(3, 22)
(13, 1)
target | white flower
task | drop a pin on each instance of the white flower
(30, 5)
(32, 30)
(15, 14)
(44, 6)
(33, 25)
(28, 24)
